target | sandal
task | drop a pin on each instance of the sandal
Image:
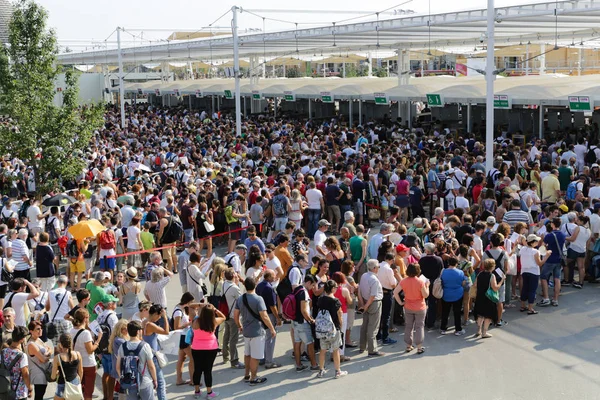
(182, 383)
(522, 309)
(258, 380)
(409, 349)
(421, 350)
(393, 330)
(532, 312)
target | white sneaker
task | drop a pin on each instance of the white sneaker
(340, 374)
(460, 333)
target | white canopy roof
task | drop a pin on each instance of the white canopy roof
(545, 89)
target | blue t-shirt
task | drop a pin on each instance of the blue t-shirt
(551, 244)
(415, 196)
(452, 280)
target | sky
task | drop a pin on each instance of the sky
(78, 23)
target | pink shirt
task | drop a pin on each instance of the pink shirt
(204, 340)
(402, 187)
(413, 299)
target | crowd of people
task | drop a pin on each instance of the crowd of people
(272, 226)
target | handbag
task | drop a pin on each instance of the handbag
(6, 276)
(189, 336)
(72, 391)
(161, 358)
(492, 294)
(47, 371)
(373, 214)
(473, 290)
(208, 227)
(438, 290)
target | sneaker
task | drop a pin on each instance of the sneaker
(544, 303)
(554, 303)
(501, 323)
(304, 357)
(460, 333)
(315, 368)
(272, 365)
(258, 380)
(212, 395)
(565, 283)
(197, 394)
(340, 374)
(388, 341)
(238, 365)
(301, 368)
(321, 373)
(577, 285)
(443, 332)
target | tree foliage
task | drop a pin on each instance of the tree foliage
(45, 136)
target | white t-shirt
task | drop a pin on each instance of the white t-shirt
(132, 232)
(55, 297)
(595, 223)
(579, 245)
(319, 239)
(296, 276)
(253, 272)
(528, 263)
(273, 265)
(463, 203)
(594, 192)
(79, 345)
(17, 302)
(313, 198)
(185, 319)
(32, 213)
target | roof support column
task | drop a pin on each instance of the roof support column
(527, 59)
(236, 71)
(370, 64)
(121, 88)
(579, 63)
(403, 67)
(309, 108)
(469, 117)
(542, 59)
(541, 121)
(360, 111)
(350, 112)
(343, 70)
(489, 95)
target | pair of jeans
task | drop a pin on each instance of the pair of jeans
(431, 311)
(456, 308)
(530, 285)
(386, 310)
(312, 221)
(161, 390)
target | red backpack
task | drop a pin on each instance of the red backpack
(290, 305)
(107, 240)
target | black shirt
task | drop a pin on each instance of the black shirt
(44, 257)
(332, 305)
(431, 266)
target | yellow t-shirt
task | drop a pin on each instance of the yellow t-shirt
(550, 185)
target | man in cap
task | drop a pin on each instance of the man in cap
(320, 237)
(236, 259)
(98, 296)
(108, 318)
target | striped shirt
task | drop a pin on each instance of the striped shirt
(156, 291)
(513, 216)
(19, 251)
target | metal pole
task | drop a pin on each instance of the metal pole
(275, 107)
(580, 60)
(370, 65)
(244, 106)
(343, 70)
(469, 118)
(350, 112)
(422, 62)
(489, 99)
(541, 117)
(542, 59)
(121, 88)
(360, 111)
(408, 114)
(527, 60)
(309, 108)
(236, 71)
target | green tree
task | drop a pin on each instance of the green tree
(47, 137)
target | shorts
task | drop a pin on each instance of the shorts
(107, 363)
(3, 290)
(188, 235)
(550, 269)
(60, 387)
(169, 252)
(402, 201)
(332, 343)
(502, 293)
(108, 263)
(234, 227)
(359, 208)
(182, 344)
(573, 255)
(279, 223)
(302, 333)
(255, 347)
(77, 266)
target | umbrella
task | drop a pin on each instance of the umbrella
(85, 229)
(61, 199)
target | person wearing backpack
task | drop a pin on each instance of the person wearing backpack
(107, 320)
(296, 307)
(231, 294)
(497, 253)
(86, 345)
(14, 370)
(156, 324)
(135, 367)
(169, 232)
(254, 319)
(329, 325)
(106, 242)
(66, 366)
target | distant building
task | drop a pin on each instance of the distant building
(5, 13)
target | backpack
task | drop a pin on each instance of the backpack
(590, 157)
(223, 306)
(279, 206)
(51, 230)
(173, 231)
(107, 241)
(324, 327)
(289, 307)
(23, 209)
(285, 286)
(130, 370)
(572, 190)
(4, 218)
(6, 389)
(119, 172)
(106, 331)
(498, 264)
(229, 218)
(72, 248)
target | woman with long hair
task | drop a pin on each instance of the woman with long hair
(531, 261)
(335, 256)
(331, 304)
(485, 310)
(577, 249)
(205, 347)
(343, 295)
(66, 366)
(205, 215)
(86, 345)
(38, 354)
(151, 330)
(118, 336)
(181, 320)
(128, 293)
(297, 208)
(348, 270)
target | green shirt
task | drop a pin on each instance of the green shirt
(97, 295)
(86, 193)
(147, 240)
(564, 177)
(356, 248)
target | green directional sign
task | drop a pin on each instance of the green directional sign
(502, 101)
(289, 96)
(580, 103)
(176, 92)
(326, 97)
(381, 99)
(435, 100)
(228, 94)
(198, 93)
(256, 95)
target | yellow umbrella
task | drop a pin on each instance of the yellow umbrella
(86, 229)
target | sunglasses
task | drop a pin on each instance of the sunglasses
(267, 251)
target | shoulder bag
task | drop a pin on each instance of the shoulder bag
(72, 391)
(438, 289)
(492, 294)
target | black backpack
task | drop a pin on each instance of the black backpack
(173, 231)
(106, 332)
(23, 209)
(590, 157)
(7, 392)
(51, 230)
(72, 249)
(285, 286)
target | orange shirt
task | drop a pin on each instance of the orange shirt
(413, 299)
(285, 258)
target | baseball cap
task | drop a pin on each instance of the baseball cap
(533, 238)
(111, 299)
(490, 220)
(241, 247)
(401, 247)
(563, 208)
(324, 222)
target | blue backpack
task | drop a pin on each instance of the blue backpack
(572, 190)
(131, 376)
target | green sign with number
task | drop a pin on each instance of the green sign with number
(228, 94)
(326, 97)
(256, 95)
(502, 101)
(435, 100)
(289, 96)
(580, 103)
(381, 99)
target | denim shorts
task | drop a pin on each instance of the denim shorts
(502, 293)
(60, 387)
(279, 224)
(302, 333)
(550, 269)
(109, 263)
(107, 363)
